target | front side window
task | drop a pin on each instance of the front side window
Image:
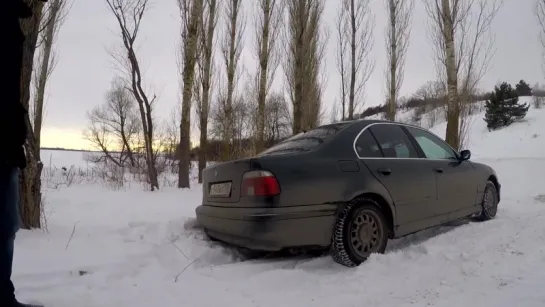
(432, 146)
(393, 141)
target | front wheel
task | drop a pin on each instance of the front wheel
(489, 203)
(361, 230)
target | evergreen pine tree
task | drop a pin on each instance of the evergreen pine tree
(503, 107)
(523, 88)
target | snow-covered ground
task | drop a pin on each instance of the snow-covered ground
(128, 247)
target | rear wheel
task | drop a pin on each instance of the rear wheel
(489, 203)
(361, 230)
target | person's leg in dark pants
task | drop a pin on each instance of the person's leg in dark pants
(9, 219)
(9, 225)
(7, 294)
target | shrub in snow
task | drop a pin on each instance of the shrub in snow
(503, 107)
(538, 102)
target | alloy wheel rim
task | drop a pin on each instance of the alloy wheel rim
(365, 233)
(489, 203)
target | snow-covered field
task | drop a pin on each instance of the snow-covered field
(128, 247)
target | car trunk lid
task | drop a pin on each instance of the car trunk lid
(222, 181)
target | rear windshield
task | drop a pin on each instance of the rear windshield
(306, 141)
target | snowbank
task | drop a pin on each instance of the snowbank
(136, 248)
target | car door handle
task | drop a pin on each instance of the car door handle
(438, 170)
(384, 171)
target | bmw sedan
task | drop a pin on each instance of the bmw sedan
(346, 187)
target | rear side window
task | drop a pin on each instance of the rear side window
(367, 146)
(306, 141)
(393, 141)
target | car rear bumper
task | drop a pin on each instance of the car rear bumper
(269, 229)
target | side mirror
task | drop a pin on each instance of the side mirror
(465, 155)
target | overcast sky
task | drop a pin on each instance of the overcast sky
(84, 70)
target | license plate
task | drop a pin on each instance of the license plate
(220, 189)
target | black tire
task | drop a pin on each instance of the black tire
(250, 254)
(489, 203)
(209, 237)
(345, 248)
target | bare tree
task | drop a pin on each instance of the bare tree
(205, 72)
(313, 109)
(463, 43)
(129, 14)
(242, 127)
(397, 42)
(240, 123)
(172, 132)
(538, 99)
(433, 95)
(540, 15)
(231, 50)
(304, 54)
(267, 23)
(478, 52)
(171, 136)
(191, 12)
(54, 15)
(277, 119)
(30, 202)
(355, 27)
(115, 126)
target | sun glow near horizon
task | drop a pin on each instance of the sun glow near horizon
(74, 139)
(64, 138)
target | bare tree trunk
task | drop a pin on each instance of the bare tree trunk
(207, 52)
(540, 15)
(193, 11)
(341, 60)
(268, 23)
(392, 88)
(129, 14)
(231, 49)
(397, 42)
(263, 63)
(53, 17)
(298, 21)
(355, 27)
(453, 112)
(30, 189)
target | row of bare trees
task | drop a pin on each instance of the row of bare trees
(211, 88)
(235, 115)
(355, 31)
(460, 35)
(124, 127)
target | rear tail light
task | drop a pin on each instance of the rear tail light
(259, 183)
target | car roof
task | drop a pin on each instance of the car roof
(365, 122)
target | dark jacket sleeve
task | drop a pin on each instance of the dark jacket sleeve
(12, 113)
(23, 9)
